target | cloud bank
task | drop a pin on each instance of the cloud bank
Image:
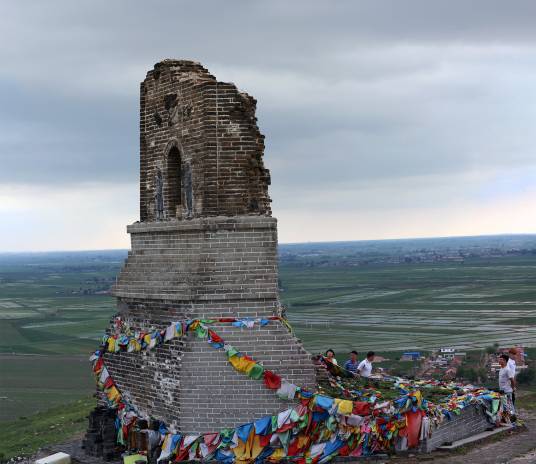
(383, 119)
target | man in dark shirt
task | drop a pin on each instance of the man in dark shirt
(352, 364)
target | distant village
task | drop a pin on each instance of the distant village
(358, 254)
(93, 286)
(447, 363)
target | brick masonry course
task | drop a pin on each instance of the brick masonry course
(205, 247)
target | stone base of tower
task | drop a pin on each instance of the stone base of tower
(205, 268)
(203, 261)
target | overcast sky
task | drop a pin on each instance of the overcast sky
(383, 119)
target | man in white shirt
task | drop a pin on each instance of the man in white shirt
(365, 367)
(507, 383)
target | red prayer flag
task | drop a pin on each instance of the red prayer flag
(264, 440)
(293, 448)
(345, 450)
(109, 383)
(271, 380)
(413, 420)
(98, 365)
(361, 408)
(214, 337)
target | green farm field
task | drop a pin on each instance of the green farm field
(387, 308)
(52, 313)
(54, 309)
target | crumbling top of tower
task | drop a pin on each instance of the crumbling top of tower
(201, 149)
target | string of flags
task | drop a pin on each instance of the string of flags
(126, 339)
(317, 429)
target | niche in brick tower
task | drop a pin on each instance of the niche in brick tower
(205, 248)
(174, 181)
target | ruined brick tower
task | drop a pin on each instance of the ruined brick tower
(205, 247)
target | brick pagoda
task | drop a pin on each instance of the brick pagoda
(205, 247)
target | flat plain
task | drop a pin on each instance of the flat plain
(386, 308)
(53, 311)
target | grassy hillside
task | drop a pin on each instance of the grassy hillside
(34, 383)
(27, 434)
(52, 314)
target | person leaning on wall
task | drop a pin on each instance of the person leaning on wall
(330, 356)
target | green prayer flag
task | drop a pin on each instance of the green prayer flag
(274, 423)
(256, 372)
(232, 351)
(201, 332)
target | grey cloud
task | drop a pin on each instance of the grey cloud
(47, 138)
(349, 92)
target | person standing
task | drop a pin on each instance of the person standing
(352, 364)
(365, 367)
(507, 383)
(512, 353)
(330, 356)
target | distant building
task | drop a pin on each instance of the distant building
(447, 353)
(410, 356)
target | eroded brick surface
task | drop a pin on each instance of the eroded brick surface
(205, 247)
(202, 132)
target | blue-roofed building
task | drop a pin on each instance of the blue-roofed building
(410, 356)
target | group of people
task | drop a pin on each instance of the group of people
(507, 373)
(363, 368)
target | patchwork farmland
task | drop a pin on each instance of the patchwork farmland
(53, 312)
(422, 306)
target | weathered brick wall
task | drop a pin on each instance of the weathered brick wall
(210, 259)
(191, 385)
(206, 247)
(192, 126)
(203, 268)
(472, 420)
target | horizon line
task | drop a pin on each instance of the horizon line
(5, 252)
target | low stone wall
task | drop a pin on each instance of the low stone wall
(472, 420)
